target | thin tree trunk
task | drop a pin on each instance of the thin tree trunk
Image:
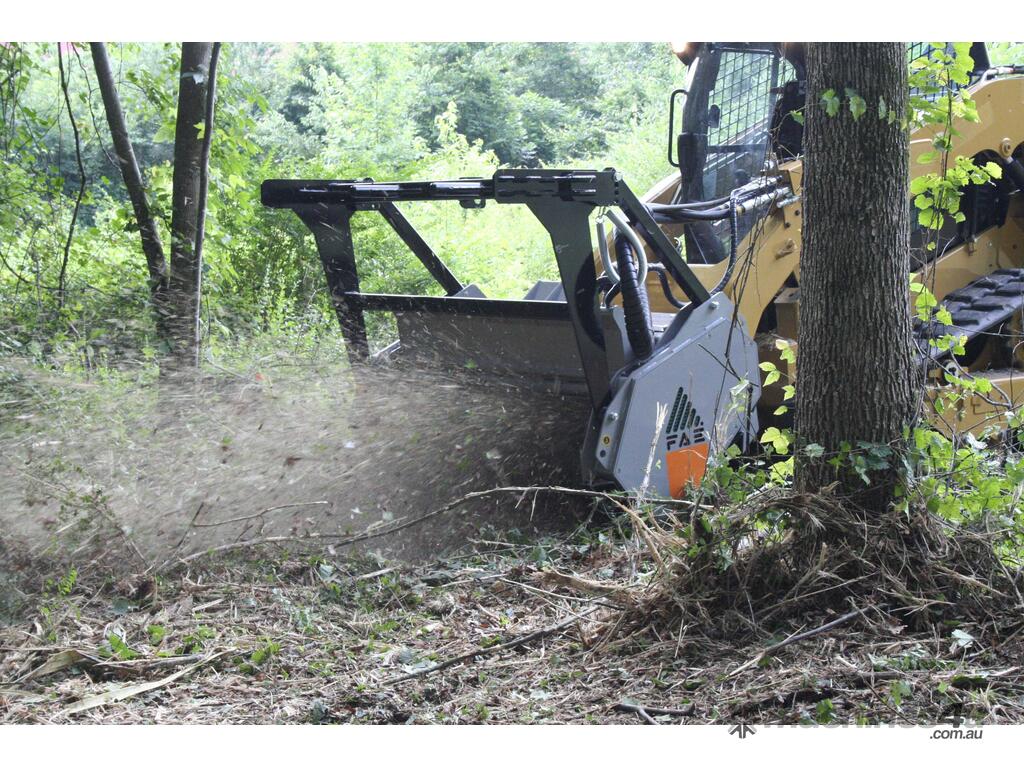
(132, 175)
(204, 178)
(856, 381)
(188, 153)
(62, 277)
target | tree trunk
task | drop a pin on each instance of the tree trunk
(151, 245)
(188, 155)
(856, 381)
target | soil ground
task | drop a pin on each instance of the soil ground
(493, 637)
(192, 561)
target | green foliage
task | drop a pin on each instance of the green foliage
(260, 657)
(156, 633)
(116, 648)
(938, 98)
(195, 641)
(387, 111)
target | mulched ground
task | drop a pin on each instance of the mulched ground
(510, 633)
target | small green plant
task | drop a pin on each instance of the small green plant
(115, 647)
(55, 596)
(194, 642)
(899, 691)
(156, 633)
(825, 712)
(260, 656)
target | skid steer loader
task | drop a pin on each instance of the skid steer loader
(667, 304)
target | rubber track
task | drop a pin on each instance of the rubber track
(978, 307)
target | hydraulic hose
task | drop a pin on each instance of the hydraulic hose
(602, 247)
(638, 248)
(1015, 171)
(666, 287)
(734, 231)
(634, 300)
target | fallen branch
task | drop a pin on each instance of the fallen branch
(796, 639)
(144, 665)
(130, 691)
(340, 540)
(257, 514)
(646, 711)
(492, 649)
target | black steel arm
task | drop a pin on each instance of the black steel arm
(437, 268)
(562, 200)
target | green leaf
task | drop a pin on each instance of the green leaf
(830, 102)
(994, 170)
(778, 439)
(814, 451)
(930, 218)
(786, 351)
(920, 184)
(857, 104)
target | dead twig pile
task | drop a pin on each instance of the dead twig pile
(784, 555)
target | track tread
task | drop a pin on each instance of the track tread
(975, 308)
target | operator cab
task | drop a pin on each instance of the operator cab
(739, 103)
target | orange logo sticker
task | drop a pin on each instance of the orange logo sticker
(686, 465)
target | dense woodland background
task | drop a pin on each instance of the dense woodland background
(74, 288)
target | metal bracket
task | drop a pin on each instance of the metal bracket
(562, 200)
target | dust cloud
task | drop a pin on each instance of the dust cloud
(179, 467)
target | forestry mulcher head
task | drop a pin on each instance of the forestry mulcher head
(667, 390)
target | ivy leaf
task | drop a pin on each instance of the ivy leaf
(962, 639)
(920, 184)
(994, 170)
(814, 451)
(778, 439)
(857, 104)
(830, 102)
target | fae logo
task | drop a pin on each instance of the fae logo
(686, 446)
(685, 426)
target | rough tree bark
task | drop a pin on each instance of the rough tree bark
(132, 175)
(855, 378)
(187, 180)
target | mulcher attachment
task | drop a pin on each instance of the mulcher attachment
(701, 369)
